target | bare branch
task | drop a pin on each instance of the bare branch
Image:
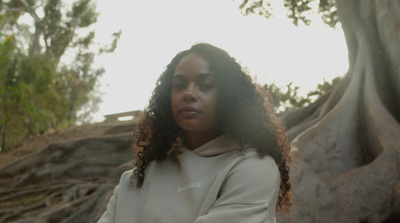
(31, 12)
(13, 9)
(39, 26)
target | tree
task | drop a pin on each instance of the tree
(39, 89)
(287, 98)
(346, 144)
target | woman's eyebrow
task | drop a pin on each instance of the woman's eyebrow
(179, 76)
(200, 76)
(205, 75)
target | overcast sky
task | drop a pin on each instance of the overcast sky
(153, 32)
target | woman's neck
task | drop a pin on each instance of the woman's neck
(194, 140)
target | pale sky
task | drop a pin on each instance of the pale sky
(153, 32)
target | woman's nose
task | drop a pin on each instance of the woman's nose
(190, 93)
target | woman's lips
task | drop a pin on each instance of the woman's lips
(189, 111)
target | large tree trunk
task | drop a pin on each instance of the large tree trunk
(346, 152)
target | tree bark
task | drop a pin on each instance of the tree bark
(3, 136)
(68, 180)
(347, 153)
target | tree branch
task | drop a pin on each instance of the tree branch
(31, 12)
(13, 9)
(39, 26)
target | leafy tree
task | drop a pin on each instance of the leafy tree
(39, 90)
(324, 88)
(287, 98)
(346, 143)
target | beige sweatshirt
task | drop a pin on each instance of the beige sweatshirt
(209, 184)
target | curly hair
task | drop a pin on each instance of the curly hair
(246, 112)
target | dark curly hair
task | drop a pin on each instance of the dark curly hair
(246, 115)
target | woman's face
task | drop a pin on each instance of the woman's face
(194, 96)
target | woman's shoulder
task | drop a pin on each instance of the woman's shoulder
(127, 178)
(252, 164)
(252, 178)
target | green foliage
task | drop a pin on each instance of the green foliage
(37, 91)
(324, 88)
(328, 12)
(288, 98)
(297, 10)
(258, 7)
(111, 48)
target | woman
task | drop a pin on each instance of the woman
(211, 148)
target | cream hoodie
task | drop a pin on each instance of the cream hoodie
(209, 184)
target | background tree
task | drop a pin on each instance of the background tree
(288, 98)
(346, 144)
(46, 65)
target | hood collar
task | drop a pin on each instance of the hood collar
(217, 146)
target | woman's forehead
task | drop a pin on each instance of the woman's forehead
(192, 63)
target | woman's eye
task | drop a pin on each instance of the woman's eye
(206, 86)
(179, 86)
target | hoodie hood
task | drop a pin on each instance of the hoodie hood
(219, 145)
